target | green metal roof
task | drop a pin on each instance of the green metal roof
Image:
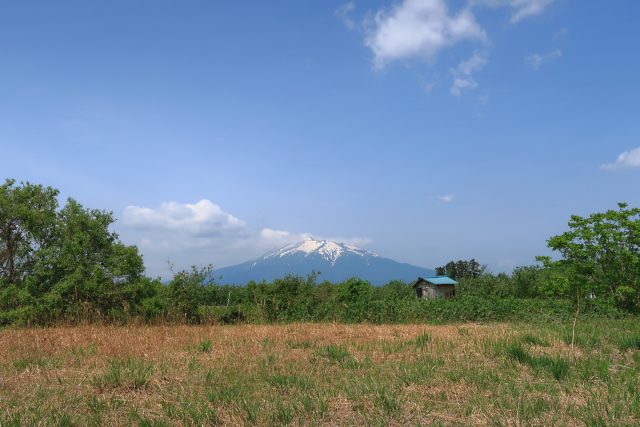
(439, 280)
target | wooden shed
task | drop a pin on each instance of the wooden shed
(435, 287)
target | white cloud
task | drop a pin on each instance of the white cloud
(344, 13)
(201, 233)
(447, 198)
(536, 60)
(460, 84)
(422, 29)
(473, 64)
(462, 73)
(527, 8)
(269, 234)
(626, 160)
(199, 219)
(520, 9)
(419, 29)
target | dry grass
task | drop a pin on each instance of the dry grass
(319, 374)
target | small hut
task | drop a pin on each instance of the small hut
(435, 287)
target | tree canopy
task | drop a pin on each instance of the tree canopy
(603, 252)
(68, 256)
(27, 220)
(461, 269)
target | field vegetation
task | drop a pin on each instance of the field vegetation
(319, 374)
(554, 343)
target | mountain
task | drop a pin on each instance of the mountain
(336, 262)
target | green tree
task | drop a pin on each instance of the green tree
(603, 251)
(186, 292)
(354, 297)
(27, 218)
(461, 269)
(85, 263)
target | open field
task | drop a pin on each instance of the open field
(464, 374)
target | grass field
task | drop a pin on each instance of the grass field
(314, 374)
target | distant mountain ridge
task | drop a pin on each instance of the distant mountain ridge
(334, 261)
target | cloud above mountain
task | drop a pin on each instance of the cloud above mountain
(202, 218)
(203, 233)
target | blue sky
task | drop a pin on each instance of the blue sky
(424, 130)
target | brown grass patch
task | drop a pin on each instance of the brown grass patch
(332, 374)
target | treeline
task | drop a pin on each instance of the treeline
(64, 265)
(295, 298)
(190, 298)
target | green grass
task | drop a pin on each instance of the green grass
(339, 355)
(251, 410)
(533, 340)
(36, 362)
(125, 373)
(291, 381)
(205, 346)
(302, 344)
(557, 366)
(422, 340)
(629, 342)
(388, 400)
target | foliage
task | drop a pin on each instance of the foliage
(27, 217)
(603, 253)
(461, 269)
(61, 263)
(186, 292)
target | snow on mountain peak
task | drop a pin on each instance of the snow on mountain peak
(329, 250)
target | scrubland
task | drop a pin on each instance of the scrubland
(323, 374)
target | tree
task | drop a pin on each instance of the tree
(354, 296)
(85, 263)
(461, 269)
(186, 292)
(27, 218)
(549, 280)
(291, 297)
(603, 251)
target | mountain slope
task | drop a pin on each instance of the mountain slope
(336, 262)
